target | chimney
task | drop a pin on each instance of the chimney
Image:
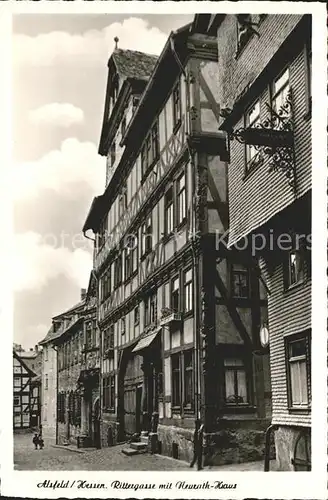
(83, 294)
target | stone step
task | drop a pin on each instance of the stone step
(140, 446)
(130, 452)
(144, 439)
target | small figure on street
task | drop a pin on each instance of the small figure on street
(35, 441)
(41, 442)
(198, 445)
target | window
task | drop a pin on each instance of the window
(109, 392)
(118, 271)
(244, 30)
(150, 150)
(298, 370)
(122, 326)
(187, 378)
(45, 353)
(112, 153)
(188, 292)
(89, 335)
(135, 101)
(136, 315)
(123, 201)
(176, 105)
(295, 268)
(77, 408)
(181, 198)
(176, 380)
(17, 381)
(169, 211)
(106, 284)
(150, 309)
(252, 120)
(128, 263)
(280, 90)
(175, 295)
(46, 381)
(109, 338)
(147, 236)
(103, 231)
(308, 65)
(240, 282)
(16, 401)
(154, 141)
(235, 382)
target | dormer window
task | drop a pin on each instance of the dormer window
(246, 27)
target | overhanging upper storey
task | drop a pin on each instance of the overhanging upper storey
(265, 109)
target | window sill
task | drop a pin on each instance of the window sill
(239, 409)
(300, 409)
(187, 314)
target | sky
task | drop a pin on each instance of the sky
(59, 80)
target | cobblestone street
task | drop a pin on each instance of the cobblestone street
(52, 458)
(55, 458)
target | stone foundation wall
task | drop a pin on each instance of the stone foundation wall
(285, 440)
(74, 432)
(176, 442)
(232, 446)
(235, 442)
(109, 430)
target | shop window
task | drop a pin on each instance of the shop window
(188, 378)
(235, 376)
(298, 370)
(176, 380)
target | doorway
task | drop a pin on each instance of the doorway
(138, 408)
(96, 424)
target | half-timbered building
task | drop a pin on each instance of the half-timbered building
(179, 314)
(26, 400)
(264, 90)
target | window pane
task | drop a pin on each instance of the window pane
(303, 382)
(229, 386)
(295, 382)
(242, 387)
(281, 81)
(298, 348)
(253, 113)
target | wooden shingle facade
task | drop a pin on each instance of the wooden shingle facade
(264, 91)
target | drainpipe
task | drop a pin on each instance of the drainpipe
(268, 432)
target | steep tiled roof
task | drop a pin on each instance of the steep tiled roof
(134, 64)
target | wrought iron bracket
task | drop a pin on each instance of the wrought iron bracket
(274, 139)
